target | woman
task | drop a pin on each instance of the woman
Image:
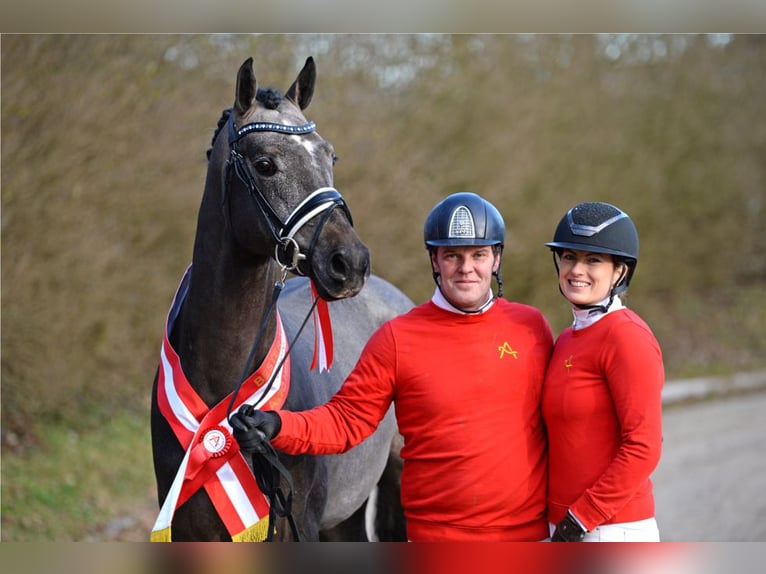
(602, 395)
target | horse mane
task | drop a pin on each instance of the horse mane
(221, 122)
(269, 97)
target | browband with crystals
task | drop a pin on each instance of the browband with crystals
(271, 127)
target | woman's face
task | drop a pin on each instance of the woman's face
(586, 278)
(465, 274)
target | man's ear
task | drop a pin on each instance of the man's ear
(498, 259)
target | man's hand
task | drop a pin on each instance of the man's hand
(568, 530)
(252, 428)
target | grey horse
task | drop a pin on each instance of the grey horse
(269, 208)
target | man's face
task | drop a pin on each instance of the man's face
(465, 274)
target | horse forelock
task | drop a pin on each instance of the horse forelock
(271, 98)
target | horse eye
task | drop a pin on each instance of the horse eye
(335, 159)
(265, 166)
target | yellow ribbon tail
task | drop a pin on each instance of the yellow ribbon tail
(161, 535)
(258, 532)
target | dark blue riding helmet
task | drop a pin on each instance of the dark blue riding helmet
(464, 219)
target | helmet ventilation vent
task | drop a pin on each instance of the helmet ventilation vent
(588, 219)
(461, 224)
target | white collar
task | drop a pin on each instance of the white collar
(586, 317)
(440, 301)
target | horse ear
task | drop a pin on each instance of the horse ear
(247, 87)
(302, 90)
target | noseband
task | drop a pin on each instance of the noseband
(320, 202)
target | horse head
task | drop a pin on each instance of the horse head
(278, 198)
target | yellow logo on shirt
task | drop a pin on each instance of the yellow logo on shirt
(568, 363)
(505, 348)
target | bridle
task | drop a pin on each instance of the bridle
(320, 202)
(266, 465)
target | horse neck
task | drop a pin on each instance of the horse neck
(229, 298)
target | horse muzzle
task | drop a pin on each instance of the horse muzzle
(342, 271)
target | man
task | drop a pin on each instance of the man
(464, 371)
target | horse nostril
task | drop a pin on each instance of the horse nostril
(338, 267)
(348, 268)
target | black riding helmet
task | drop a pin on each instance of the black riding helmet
(599, 228)
(465, 218)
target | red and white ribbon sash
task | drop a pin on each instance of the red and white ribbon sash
(213, 460)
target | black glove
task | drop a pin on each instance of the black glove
(252, 428)
(568, 530)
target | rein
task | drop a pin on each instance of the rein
(266, 466)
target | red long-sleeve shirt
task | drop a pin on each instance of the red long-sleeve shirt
(467, 394)
(602, 406)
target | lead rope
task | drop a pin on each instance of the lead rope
(267, 468)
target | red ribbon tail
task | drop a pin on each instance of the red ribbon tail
(323, 344)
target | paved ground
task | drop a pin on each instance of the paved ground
(710, 483)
